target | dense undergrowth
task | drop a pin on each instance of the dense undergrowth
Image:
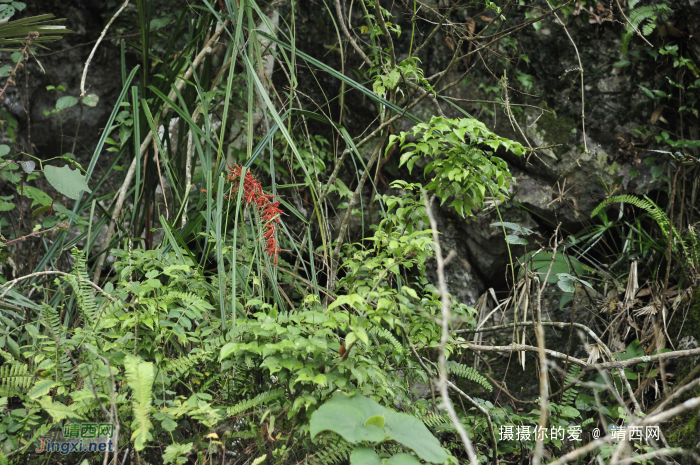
(250, 294)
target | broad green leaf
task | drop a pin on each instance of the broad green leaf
(364, 456)
(345, 420)
(66, 181)
(4, 150)
(227, 350)
(412, 433)
(402, 459)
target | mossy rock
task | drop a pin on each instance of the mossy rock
(558, 131)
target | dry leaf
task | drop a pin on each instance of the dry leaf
(471, 26)
(644, 292)
(656, 114)
(667, 29)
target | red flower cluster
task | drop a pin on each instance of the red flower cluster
(268, 208)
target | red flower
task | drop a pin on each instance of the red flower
(268, 208)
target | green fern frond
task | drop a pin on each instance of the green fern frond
(654, 211)
(694, 245)
(247, 434)
(569, 396)
(469, 373)
(333, 453)
(14, 379)
(182, 365)
(140, 376)
(386, 334)
(262, 398)
(83, 291)
(52, 321)
(639, 15)
(189, 299)
(433, 421)
(625, 42)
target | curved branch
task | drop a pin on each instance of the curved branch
(339, 12)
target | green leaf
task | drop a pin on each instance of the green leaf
(4, 71)
(570, 412)
(57, 410)
(646, 91)
(66, 101)
(566, 285)
(403, 459)
(412, 433)
(174, 452)
(4, 150)
(91, 100)
(6, 206)
(376, 420)
(159, 22)
(38, 196)
(364, 456)
(169, 424)
(345, 420)
(355, 418)
(66, 181)
(41, 388)
(227, 350)
(140, 376)
(621, 64)
(516, 240)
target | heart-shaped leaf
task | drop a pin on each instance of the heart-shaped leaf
(66, 181)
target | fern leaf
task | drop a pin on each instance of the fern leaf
(386, 334)
(140, 376)
(470, 373)
(333, 453)
(433, 421)
(569, 396)
(14, 379)
(59, 411)
(654, 211)
(83, 291)
(262, 398)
